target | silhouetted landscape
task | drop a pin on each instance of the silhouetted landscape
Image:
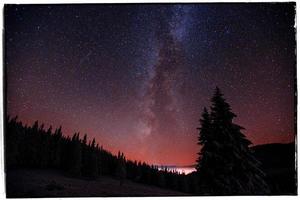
(36, 148)
(126, 100)
(264, 170)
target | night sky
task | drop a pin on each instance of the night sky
(136, 77)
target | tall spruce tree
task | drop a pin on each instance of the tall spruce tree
(92, 163)
(226, 164)
(206, 154)
(203, 137)
(75, 156)
(121, 168)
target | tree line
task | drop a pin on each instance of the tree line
(225, 165)
(35, 147)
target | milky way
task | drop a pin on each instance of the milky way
(136, 77)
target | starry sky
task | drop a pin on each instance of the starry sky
(137, 76)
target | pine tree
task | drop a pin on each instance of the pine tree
(203, 138)
(121, 170)
(75, 157)
(92, 163)
(57, 147)
(226, 165)
(84, 156)
(12, 135)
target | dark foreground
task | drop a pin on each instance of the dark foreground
(50, 183)
(278, 162)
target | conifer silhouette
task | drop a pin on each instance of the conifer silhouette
(92, 163)
(75, 156)
(226, 165)
(121, 170)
